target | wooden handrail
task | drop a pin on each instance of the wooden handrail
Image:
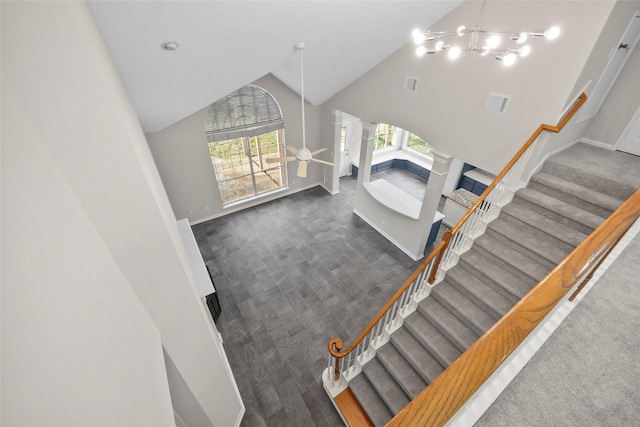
(336, 344)
(557, 128)
(451, 390)
(593, 270)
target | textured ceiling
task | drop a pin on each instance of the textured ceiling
(227, 44)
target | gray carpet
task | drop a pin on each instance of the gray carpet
(588, 372)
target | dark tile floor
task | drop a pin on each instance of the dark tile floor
(291, 274)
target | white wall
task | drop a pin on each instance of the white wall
(624, 98)
(182, 155)
(448, 110)
(92, 240)
(621, 103)
(78, 348)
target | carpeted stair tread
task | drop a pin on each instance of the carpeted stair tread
(562, 204)
(559, 209)
(534, 244)
(463, 306)
(386, 386)
(446, 322)
(508, 285)
(400, 369)
(417, 355)
(495, 305)
(520, 225)
(515, 261)
(444, 351)
(569, 199)
(590, 197)
(605, 171)
(566, 234)
(370, 400)
(561, 219)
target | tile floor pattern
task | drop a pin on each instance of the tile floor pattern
(291, 274)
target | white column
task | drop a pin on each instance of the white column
(366, 152)
(435, 184)
(336, 123)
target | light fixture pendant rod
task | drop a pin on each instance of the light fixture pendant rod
(300, 47)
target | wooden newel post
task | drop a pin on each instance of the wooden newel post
(446, 238)
(335, 346)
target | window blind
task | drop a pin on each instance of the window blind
(249, 111)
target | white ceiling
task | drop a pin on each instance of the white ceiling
(227, 44)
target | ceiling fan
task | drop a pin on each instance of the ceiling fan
(303, 155)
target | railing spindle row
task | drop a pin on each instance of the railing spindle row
(455, 241)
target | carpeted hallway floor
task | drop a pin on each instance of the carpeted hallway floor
(587, 373)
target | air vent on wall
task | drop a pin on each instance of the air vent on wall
(497, 103)
(411, 84)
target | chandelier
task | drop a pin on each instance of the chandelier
(480, 42)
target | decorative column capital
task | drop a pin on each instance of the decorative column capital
(368, 129)
(441, 163)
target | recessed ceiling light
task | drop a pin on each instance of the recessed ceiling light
(170, 46)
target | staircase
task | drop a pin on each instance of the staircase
(544, 222)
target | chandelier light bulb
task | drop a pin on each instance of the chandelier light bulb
(524, 50)
(506, 51)
(493, 41)
(552, 33)
(509, 59)
(418, 36)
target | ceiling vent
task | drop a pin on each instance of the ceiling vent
(411, 84)
(497, 103)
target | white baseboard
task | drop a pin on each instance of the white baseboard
(333, 193)
(477, 405)
(599, 144)
(239, 208)
(566, 147)
(388, 237)
(240, 416)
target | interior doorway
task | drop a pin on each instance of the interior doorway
(618, 58)
(630, 139)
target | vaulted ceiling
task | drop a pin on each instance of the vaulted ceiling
(224, 45)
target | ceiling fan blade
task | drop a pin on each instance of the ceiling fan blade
(302, 169)
(291, 149)
(313, 153)
(323, 162)
(279, 159)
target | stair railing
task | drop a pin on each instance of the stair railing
(454, 242)
(383, 323)
(487, 207)
(440, 401)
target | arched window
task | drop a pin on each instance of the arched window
(244, 129)
(393, 137)
(415, 143)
